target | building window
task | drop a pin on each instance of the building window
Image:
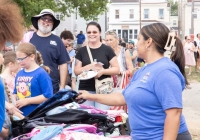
(130, 34)
(58, 16)
(146, 13)
(161, 13)
(174, 22)
(195, 13)
(119, 33)
(135, 34)
(116, 14)
(131, 13)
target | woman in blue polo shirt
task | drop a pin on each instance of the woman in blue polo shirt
(154, 95)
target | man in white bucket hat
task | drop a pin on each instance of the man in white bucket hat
(51, 47)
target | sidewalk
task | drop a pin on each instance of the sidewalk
(191, 109)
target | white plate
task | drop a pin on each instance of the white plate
(89, 75)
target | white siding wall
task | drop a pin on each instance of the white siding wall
(154, 11)
(71, 24)
(124, 12)
(188, 19)
(126, 23)
(173, 19)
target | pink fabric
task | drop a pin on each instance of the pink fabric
(72, 135)
(114, 113)
(27, 37)
(11, 83)
(189, 55)
(89, 128)
(91, 107)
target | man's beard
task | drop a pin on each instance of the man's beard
(44, 30)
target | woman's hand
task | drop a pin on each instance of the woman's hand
(83, 94)
(95, 66)
(100, 73)
(21, 103)
(12, 109)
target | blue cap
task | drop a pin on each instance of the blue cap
(131, 41)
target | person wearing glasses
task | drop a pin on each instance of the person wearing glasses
(32, 84)
(189, 50)
(154, 95)
(103, 54)
(123, 54)
(67, 38)
(51, 47)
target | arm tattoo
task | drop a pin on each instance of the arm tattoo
(77, 62)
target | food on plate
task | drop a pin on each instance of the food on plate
(83, 75)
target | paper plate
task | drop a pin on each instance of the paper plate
(87, 75)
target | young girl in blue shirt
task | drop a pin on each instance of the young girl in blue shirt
(33, 85)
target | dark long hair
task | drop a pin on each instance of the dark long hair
(95, 24)
(159, 34)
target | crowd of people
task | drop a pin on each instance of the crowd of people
(44, 64)
(191, 51)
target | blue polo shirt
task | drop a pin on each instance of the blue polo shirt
(153, 89)
(2, 105)
(53, 53)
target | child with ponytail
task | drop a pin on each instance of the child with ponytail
(11, 67)
(33, 85)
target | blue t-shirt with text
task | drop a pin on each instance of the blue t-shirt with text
(32, 84)
(53, 53)
(153, 89)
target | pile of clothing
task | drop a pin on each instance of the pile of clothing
(62, 118)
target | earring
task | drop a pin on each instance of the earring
(147, 48)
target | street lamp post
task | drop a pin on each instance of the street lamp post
(192, 18)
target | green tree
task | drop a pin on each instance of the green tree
(174, 7)
(87, 9)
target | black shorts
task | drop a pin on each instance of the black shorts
(184, 136)
(196, 55)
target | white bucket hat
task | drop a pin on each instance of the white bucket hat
(35, 19)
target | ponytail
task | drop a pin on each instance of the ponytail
(1, 68)
(178, 57)
(40, 62)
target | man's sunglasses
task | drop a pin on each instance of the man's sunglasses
(48, 19)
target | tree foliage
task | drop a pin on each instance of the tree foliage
(87, 9)
(174, 7)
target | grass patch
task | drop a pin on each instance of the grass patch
(194, 77)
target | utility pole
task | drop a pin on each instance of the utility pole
(192, 19)
(180, 19)
(106, 28)
(140, 14)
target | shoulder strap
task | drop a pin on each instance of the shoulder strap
(89, 53)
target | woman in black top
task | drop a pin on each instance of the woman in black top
(101, 53)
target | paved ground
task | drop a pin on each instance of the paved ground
(191, 110)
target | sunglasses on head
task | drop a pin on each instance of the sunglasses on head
(110, 32)
(94, 32)
(48, 19)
